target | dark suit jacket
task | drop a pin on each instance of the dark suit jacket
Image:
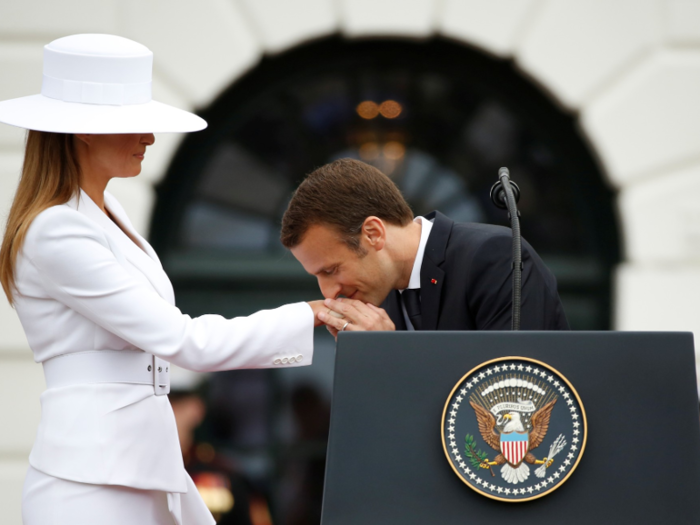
(472, 266)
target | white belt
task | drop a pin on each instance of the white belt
(108, 366)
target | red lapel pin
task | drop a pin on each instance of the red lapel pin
(433, 281)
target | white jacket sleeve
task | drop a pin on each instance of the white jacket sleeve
(77, 267)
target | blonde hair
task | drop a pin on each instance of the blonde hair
(50, 176)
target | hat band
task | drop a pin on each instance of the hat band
(96, 92)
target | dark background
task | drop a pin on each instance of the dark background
(463, 115)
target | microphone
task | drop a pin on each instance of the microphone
(505, 194)
(498, 195)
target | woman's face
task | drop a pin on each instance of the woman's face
(112, 155)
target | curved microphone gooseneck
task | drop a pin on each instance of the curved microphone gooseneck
(505, 194)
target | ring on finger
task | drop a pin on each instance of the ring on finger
(345, 326)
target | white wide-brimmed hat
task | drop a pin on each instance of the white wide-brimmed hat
(97, 84)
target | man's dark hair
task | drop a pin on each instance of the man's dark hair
(343, 194)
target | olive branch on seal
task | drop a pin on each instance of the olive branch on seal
(478, 458)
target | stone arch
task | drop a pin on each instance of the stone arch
(627, 69)
(576, 178)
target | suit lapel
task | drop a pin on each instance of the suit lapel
(118, 212)
(432, 277)
(144, 260)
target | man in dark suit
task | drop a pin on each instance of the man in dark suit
(349, 225)
(466, 282)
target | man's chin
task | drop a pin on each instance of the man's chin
(371, 298)
(357, 296)
(374, 300)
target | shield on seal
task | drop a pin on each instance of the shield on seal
(514, 446)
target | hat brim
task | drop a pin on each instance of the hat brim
(41, 113)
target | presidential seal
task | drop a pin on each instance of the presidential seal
(514, 429)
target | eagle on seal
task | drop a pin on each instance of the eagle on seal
(514, 443)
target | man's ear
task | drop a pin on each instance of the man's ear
(374, 232)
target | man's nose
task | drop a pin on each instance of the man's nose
(329, 289)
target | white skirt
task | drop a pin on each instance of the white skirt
(52, 501)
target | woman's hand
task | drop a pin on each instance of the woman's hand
(356, 316)
(317, 307)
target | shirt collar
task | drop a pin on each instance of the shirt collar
(426, 226)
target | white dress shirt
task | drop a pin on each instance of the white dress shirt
(414, 281)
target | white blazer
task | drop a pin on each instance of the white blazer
(83, 285)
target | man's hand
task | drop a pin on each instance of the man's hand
(356, 316)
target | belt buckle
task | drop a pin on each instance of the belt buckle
(161, 376)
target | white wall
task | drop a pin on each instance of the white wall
(629, 68)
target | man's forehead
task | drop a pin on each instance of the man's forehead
(320, 247)
(322, 233)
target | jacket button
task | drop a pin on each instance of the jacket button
(160, 369)
(149, 368)
(299, 358)
(277, 361)
(285, 360)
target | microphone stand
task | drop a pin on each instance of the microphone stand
(505, 194)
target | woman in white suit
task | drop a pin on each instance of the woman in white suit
(96, 306)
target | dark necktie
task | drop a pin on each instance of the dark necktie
(411, 300)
